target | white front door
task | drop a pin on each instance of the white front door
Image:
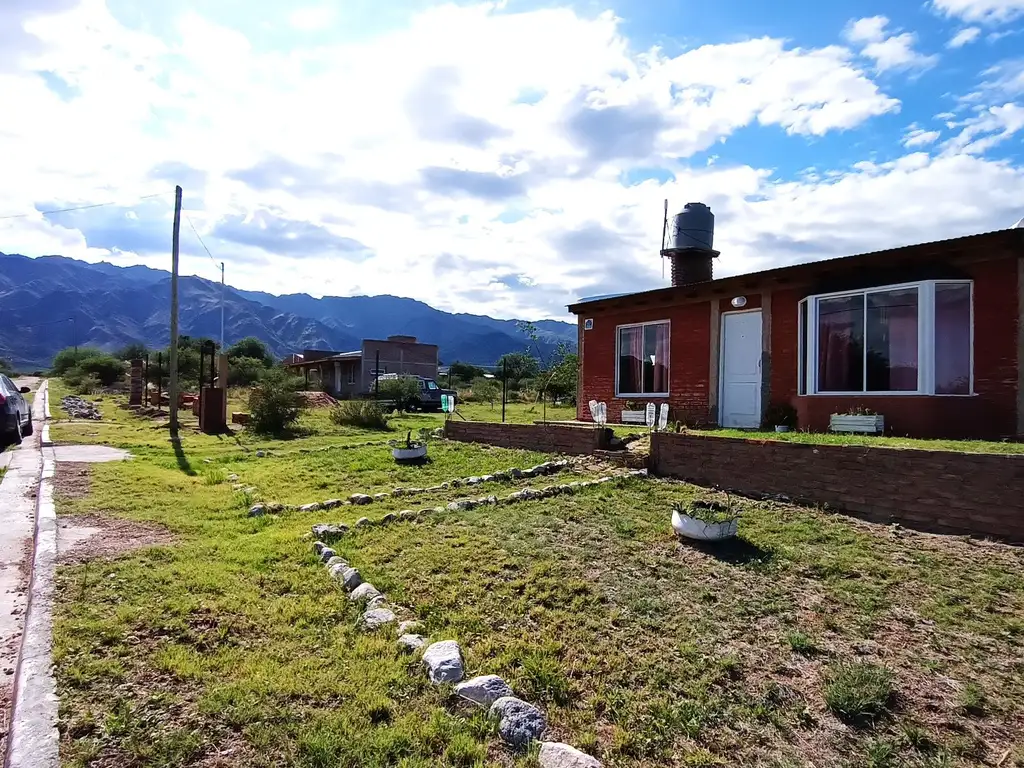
(740, 403)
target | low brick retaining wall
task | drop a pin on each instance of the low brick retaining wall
(549, 438)
(939, 491)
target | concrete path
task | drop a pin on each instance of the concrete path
(18, 497)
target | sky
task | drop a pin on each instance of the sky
(503, 157)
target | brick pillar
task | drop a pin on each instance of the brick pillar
(136, 386)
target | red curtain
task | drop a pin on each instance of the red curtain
(661, 357)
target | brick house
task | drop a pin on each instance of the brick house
(931, 336)
(346, 374)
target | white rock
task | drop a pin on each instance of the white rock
(318, 547)
(377, 602)
(363, 522)
(483, 690)
(337, 571)
(232, 478)
(411, 642)
(377, 617)
(389, 518)
(408, 626)
(332, 503)
(360, 498)
(327, 554)
(257, 510)
(335, 561)
(444, 662)
(365, 591)
(309, 507)
(519, 722)
(406, 514)
(557, 755)
(380, 496)
(260, 454)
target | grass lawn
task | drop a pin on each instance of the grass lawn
(827, 438)
(814, 640)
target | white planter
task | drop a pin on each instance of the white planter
(693, 528)
(634, 417)
(842, 422)
(781, 428)
(409, 454)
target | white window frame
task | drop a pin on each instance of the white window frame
(808, 355)
(618, 340)
(351, 374)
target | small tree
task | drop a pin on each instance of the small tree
(403, 391)
(6, 368)
(464, 371)
(245, 371)
(134, 351)
(487, 389)
(253, 348)
(273, 404)
(516, 366)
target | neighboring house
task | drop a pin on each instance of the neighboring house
(345, 374)
(930, 336)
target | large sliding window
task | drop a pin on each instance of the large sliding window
(642, 357)
(902, 339)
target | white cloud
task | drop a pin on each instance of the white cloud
(981, 11)
(411, 163)
(918, 137)
(889, 51)
(963, 37)
(312, 18)
(989, 127)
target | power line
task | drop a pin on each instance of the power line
(200, 239)
(76, 208)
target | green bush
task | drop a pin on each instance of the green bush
(88, 361)
(360, 413)
(273, 404)
(859, 691)
(402, 391)
(245, 371)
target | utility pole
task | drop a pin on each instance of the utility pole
(222, 309)
(172, 387)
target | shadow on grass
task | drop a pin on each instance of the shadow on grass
(179, 454)
(735, 551)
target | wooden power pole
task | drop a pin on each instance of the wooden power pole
(172, 388)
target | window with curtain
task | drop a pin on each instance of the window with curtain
(910, 338)
(643, 359)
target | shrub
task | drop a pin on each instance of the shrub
(72, 365)
(245, 371)
(487, 389)
(801, 643)
(402, 391)
(273, 405)
(858, 692)
(972, 699)
(360, 413)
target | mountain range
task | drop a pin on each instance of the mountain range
(52, 302)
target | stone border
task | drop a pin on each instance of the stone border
(33, 737)
(358, 499)
(519, 722)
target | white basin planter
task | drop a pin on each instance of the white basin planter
(634, 417)
(705, 521)
(414, 453)
(847, 422)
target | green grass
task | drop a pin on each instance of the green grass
(641, 650)
(859, 691)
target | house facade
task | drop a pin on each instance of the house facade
(349, 374)
(931, 336)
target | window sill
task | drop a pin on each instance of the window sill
(882, 394)
(640, 395)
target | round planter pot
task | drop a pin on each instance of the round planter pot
(692, 528)
(781, 428)
(409, 454)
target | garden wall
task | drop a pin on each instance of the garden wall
(939, 491)
(548, 438)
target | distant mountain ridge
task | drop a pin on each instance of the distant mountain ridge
(52, 302)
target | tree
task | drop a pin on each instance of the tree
(74, 366)
(6, 368)
(486, 389)
(245, 371)
(516, 366)
(134, 351)
(403, 391)
(273, 404)
(563, 377)
(251, 347)
(464, 371)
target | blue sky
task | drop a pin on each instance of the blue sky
(352, 146)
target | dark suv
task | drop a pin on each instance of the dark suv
(430, 392)
(15, 412)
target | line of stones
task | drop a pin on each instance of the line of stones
(519, 722)
(513, 474)
(334, 531)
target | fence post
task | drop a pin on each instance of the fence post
(504, 387)
(376, 376)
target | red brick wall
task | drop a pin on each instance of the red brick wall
(690, 352)
(548, 438)
(927, 490)
(991, 413)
